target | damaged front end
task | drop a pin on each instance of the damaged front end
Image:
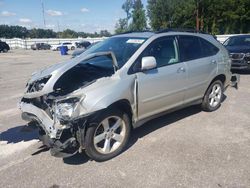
(51, 102)
(58, 129)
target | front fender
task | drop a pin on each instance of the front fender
(105, 92)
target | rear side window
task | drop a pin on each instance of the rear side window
(190, 48)
(208, 48)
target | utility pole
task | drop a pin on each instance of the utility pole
(43, 14)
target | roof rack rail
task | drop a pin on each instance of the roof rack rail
(188, 30)
(134, 31)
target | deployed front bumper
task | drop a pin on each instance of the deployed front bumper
(32, 113)
(63, 140)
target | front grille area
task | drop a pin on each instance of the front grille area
(237, 56)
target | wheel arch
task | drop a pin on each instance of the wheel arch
(125, 106)
(220, 77)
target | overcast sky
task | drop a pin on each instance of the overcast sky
(79, 15)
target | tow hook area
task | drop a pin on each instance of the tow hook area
(235, 80)
(66, 147)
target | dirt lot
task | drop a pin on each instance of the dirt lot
(188, 148)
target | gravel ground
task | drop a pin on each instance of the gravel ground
(187, 148)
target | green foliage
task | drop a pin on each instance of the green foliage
(139, 21)
(217, 17)
(121, 26)
(68, 34)
(127, 7)
(13, 31)
(22, 32)
(41, 33)
(136, 13)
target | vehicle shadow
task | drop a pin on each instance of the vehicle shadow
(143, 131)
(18, 134)
(160, 122)
(77, 159)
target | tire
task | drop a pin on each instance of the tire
(72, 48)
(57, 49)
(102, 133)
(5, 50)
(213, 97)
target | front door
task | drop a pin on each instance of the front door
(163, 87)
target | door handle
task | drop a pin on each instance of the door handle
(213, 61)
(181, 69)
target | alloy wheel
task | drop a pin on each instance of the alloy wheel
(215, 95)
(109, 135)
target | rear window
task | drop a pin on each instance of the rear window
(192, 47)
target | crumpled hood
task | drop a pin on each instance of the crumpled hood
(46, 71)
(56, 71)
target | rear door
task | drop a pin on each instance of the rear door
(163, 87)
(200, 58)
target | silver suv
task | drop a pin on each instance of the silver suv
(93, 102)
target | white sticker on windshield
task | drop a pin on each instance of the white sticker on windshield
(135, 41)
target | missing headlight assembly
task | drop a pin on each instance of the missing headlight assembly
(38, 84)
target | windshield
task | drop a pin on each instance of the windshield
(238, 41)
(122, 47)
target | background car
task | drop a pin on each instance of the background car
(4, 47)
(78, 52)
(70, 46)
(83, 44)
(239, 50)
(40, 46)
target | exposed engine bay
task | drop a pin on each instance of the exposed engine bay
(53, 111)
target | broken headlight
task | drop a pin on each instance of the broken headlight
(64, 109)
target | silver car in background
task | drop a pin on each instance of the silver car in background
(93, 101)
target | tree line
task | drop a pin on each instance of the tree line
(212, 16)
(7, 31)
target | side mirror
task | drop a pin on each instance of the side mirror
(148, 63)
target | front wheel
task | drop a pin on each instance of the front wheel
(213, 97)
(108, 135)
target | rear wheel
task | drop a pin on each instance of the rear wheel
(213, 97)
(108, 135)
(72, 48)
